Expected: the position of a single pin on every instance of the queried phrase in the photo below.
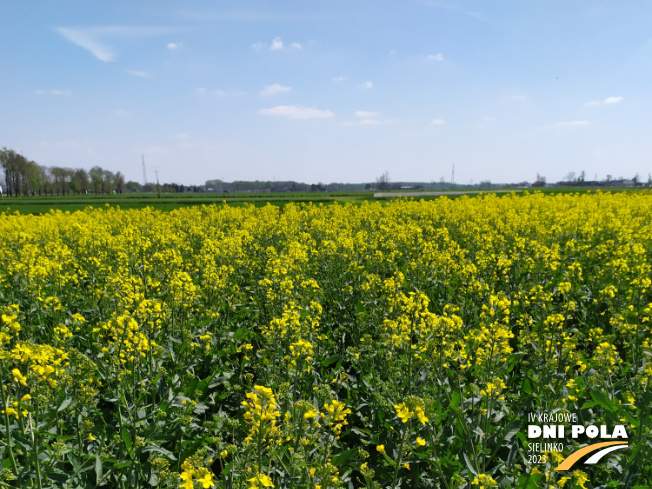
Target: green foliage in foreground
(396, 345)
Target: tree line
(26, 177)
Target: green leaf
(162, 451)
(64, 404)
(98, 469)
(469, 464)
(604, 401)
(342, 458)
(330, 360)
(127, 439)
(455, 400)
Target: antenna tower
(144, 172)
(453, 174)
(158, 187)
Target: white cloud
(435, 57)
(607, 101)
(121, 113)
(368, 84)
(174, 45)
(571, 124)
(277, 45)
(218, 93)
(366, 115)
(612, 100)
(274, 89)
(437, 122)
(297, 112)
(86, 40)
(338, 78)
(375, 122)
(53, 91)
(366, 118)
(141, 74)
(96, 40)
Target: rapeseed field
(315, 347)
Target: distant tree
(570, 177)
(33, 174)
(13, 165)
(132, 186)
(119, 180)
(59, 179)
(108, 181)
(609, 177)
(80, 178)
(382, 182)
(97, 177)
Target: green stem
(10, 442)
(400, 455)
(35, 445)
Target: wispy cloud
(98, 40)
(174, 45)
(338, 78)
(607, 101)
(53, 91)
(435, 57)
(274, 89)
(454, 8)
(276, 45)
(366, 118)
(297, 112)
(140, 74)
(613, 100)
(218, 92)
(368, 84)
(87, 147)
(250, 16)
(565, 124)
(366, 115)
(437, 122)
(87, 40)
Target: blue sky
(331, 91)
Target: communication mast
(158, 187)
(144, 172)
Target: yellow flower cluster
(337, 413)
(262, 413)
(191, 473)
(412, 408)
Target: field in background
(167, 202)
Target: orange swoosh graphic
(575, 456)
